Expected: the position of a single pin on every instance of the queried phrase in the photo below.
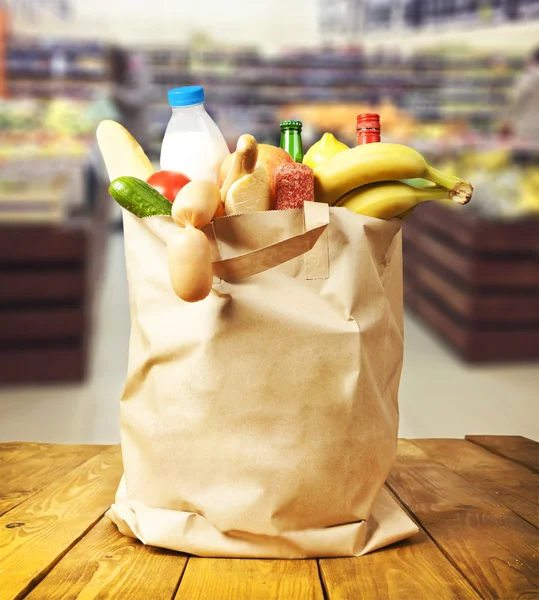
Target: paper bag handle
(262, 259)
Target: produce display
(365, 180)
(49, 129)
(506, 188)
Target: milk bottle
(193, 144)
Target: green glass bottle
(291, 139)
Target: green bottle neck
(291, 142)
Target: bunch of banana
(389, 199)
(345, 179)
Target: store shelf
(354, 19)
(43, 70)
(429, 87)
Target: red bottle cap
(368, 128)
(368, 121)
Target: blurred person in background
(131, 93)
(524, 108)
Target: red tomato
(168, 183)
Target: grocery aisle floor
(440, 397)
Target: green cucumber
(139, 197)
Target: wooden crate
(48, 278)
(475, 282)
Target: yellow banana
(370, 163)
(403, 216)
(388, 199)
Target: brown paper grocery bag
(262, 421)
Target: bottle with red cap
(368, 128)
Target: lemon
(326, 146)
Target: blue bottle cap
(186, 96)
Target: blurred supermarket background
(457, 79)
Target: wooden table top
(475, 502)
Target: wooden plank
(42, 244)
(441, 323)
(36, 466)
(108, 565)
(43, 364)
(411, 228)
(514, 447)
(439, 284)
(414, 569)
(480, 272)
(489, 544)
(37, 533)
(508, 238)
(410, 293)
(506, 309)
(411, 570)
(459, 226)
(43, 323)
(441, 255)
(409, 262)
(19, 451)
(511, 484)
(251, 579)
(482, 235)
(485, 307)
(15, 451)
(43, 285)
(478, 345)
